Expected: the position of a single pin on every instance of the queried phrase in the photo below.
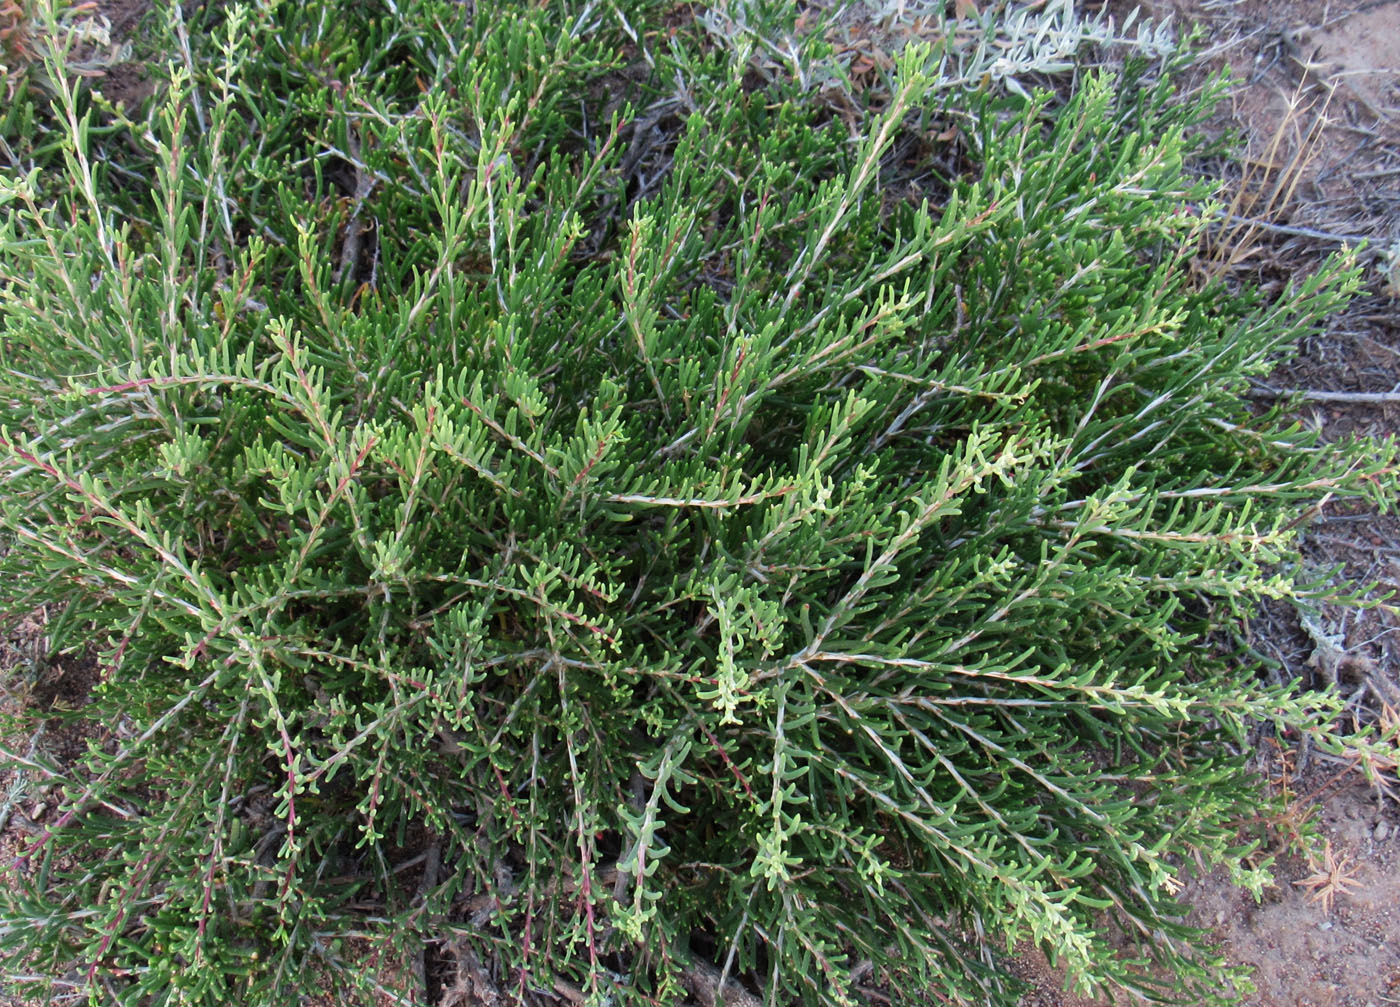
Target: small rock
(40, 810)
(1325, 925)
(1382, 831)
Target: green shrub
(707, 538)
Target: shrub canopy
(719, 533)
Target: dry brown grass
(1267, 187)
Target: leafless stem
(1297, 232)
(1312, 395)
(432, 858)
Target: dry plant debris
(1331, 876)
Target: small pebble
(1382, 830)
(40, 810)
(1325, 925)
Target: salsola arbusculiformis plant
(616, 542)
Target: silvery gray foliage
(1007, 44)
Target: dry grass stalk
(1267, 186)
